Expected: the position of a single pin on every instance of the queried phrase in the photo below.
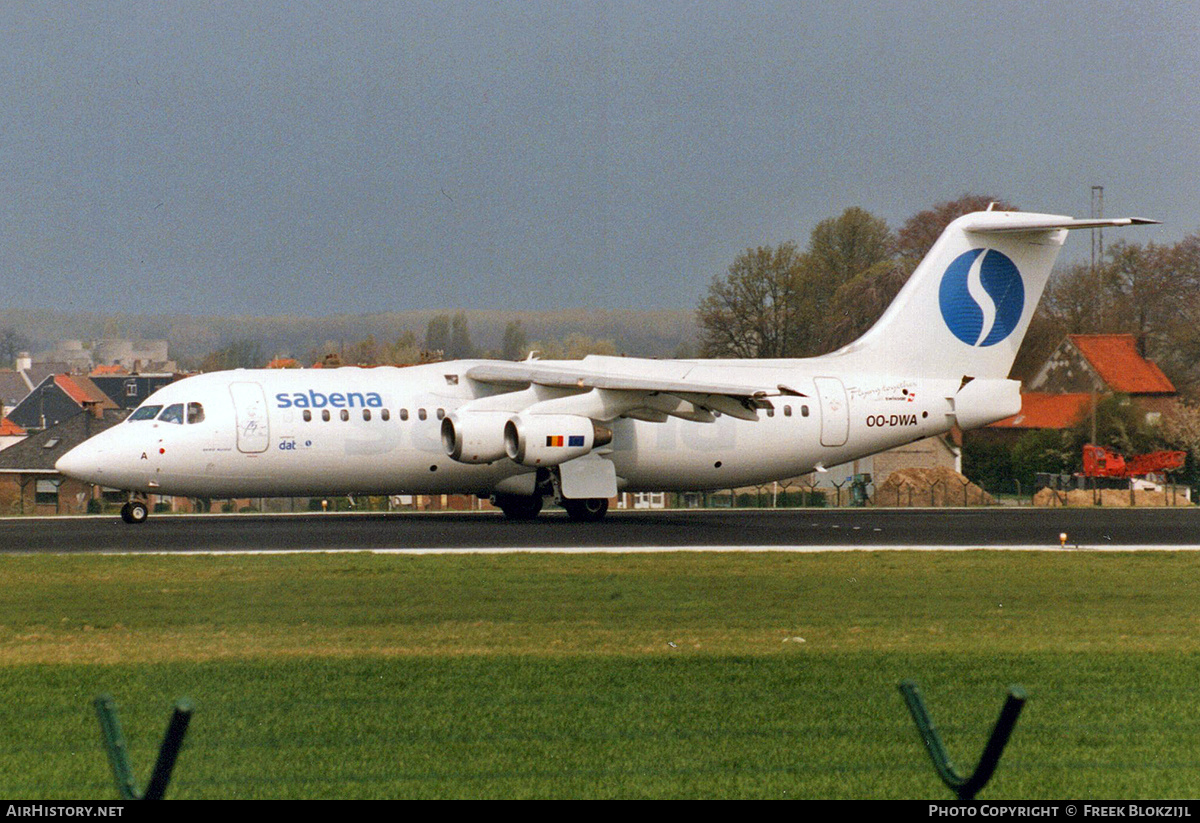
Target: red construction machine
(1099, 461)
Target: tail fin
(967, 306)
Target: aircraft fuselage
(378, 431)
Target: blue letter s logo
(981, 297)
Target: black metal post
(964, 787)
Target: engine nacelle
(550, 439)
(474, 437)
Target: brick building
(29, 483)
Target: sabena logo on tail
(981, 297)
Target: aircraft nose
(81, 462)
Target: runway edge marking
(641, 550)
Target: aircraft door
(250, 408)
(835, 411)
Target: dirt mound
(930, 487)
(1112, 498)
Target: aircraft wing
(642, 389)
(562, 376)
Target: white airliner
(580, 431)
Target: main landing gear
(518, 506)
(586, 511)
(528, 507)
(547, 484)
(135, 511)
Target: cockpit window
(195, 413)
(146, 413)
(172, 414)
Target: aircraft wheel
(519, 507)
(135, 511)
(586, 511)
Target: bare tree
(243, 353)
(11, 344)
(515, 344)
(857, 304)
(918, 234)
(844, 247)
(779, 302)
(365, 352)
(460, 339)
(754, 311)
(1181, 427)
(572, 347)
(405, 350)
(437, 333)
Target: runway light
(1062, 540)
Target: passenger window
(441, 413)
(804, 411)
(345, 415)
(787, 411)
(385, 414)
(325, 415)
(770, 412)
(404, 414)
(421, 414)
(195, 413)
(172, 414)
(366, 414)
(146, 413)
(307, 416)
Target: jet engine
(551, 439)
(474, 437)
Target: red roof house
(1081, 369)
(1100, 363)
(10, 433)
(83, 391)
(1040, 410)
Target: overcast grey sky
(317, 158)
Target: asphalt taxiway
(745, 529)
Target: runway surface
(800, 529)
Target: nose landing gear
(135, 511)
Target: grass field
(603, 675)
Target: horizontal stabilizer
(1023, 223)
